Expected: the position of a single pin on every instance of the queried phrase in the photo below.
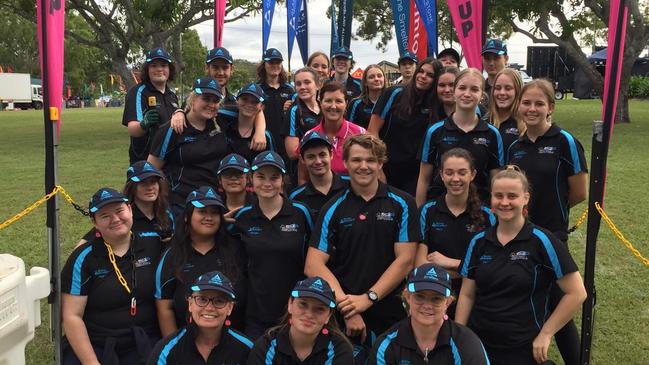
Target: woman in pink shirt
(334, 125)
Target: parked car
(526, 78)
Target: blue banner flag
(345, 22)
(302, 32)
(292, 12)
(400, 15)
(335, 40)
(268, 9)
(428, 12)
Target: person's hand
(258, 142)
(355, 326)
(438, 259)
(178, 121)
(287, 104)
(540, 347)
(354, 305)
(229, 216)
(151, 118)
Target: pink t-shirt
(347, 130)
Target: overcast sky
(243, 39)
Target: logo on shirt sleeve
(289, 227)
(520, 255)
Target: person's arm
(577, 188)
(423, 181)
(166, 316)
(178, 121)
(291, 144)
(156, 162)
(302, 174)
(574, 295)
(375, 126)
(258, 142)
(465, 302)
(316, 265)
(449, 264)
(421, 255)
(72, 309)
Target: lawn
(93, 153)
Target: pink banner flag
(219, 19)
(51, 53)
(614, 56)
(467, 18)
(417, 37)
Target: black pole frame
(600, 144)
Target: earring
(446, 317)
(97, 234)
(228, 323)
(325, 331)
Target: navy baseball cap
(407, 55)
(105, 196)
(254, 90)
(233, 161)
(272, 54)
(495, 46)
(214, 280)
(430, 277)
(205, 196)
(316, 288)
(158, 53)
(313, 137)
(141, 170)
(207, 85)
(449, 52)
(219, 52)
(343, 52)
(269, 158)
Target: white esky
(243, 39)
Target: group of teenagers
(333, 220)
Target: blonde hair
(470, 72)
(191, 98)
(512, 172)
(515, 76)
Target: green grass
(93, 153)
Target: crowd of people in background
(324, 219)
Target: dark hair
(473, 203)
(365, 91)
(413, 98)
(330, 87)
(223, 245)
(144, 72)
(161, 204)
(316, 54)
(261, 74)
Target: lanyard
(120, 277)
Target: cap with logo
(449, 52)
(207, 85)
(272, 54)
(313, 138)
(407, 55)
(343, 52)
(495, 46)
(105, 196)
(316, 288)
(430, 277)
(158, 53)
(214, 280)
(219, 53)
(254, 90)
(233, 161)
(205, 196)
(142, 170)
(268, 158)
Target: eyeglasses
(420, 299)
(217, 302)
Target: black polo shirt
(359, 112)
(353, 86)
(403, 136)
(179, 348)
(548, 163)
(298, 120)
(276, 349)
(191, 158)
(509, 132)
(88, 272)
(513, 283)
(456, 344)
(238, 144)
(168, 285)
(483, 142)
(313, 198)
(137, 103)
(141, 223)
(274, 109)
(276, 251)
(229, 100)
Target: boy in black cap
(427, 336)
(343, 61)
(315, 153)
(149, 103)
(407, 65)
(207, 338)
(494, 59)
(449, 58)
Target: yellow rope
(619, 234)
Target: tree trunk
(122, 69)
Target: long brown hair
(365, 91)
(412, 98)
(515, 76)
(473, 203)
(262, 75)
(161, 204)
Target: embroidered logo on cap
(269, 157)
(216, 279)
(212, 84)
(147, 167)
(233, 160)
(210, 194)
(431, 274)
(317, 285)
(106, 195)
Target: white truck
(18, 91)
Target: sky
(243, 39)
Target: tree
(558, 22)
(18, 45)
